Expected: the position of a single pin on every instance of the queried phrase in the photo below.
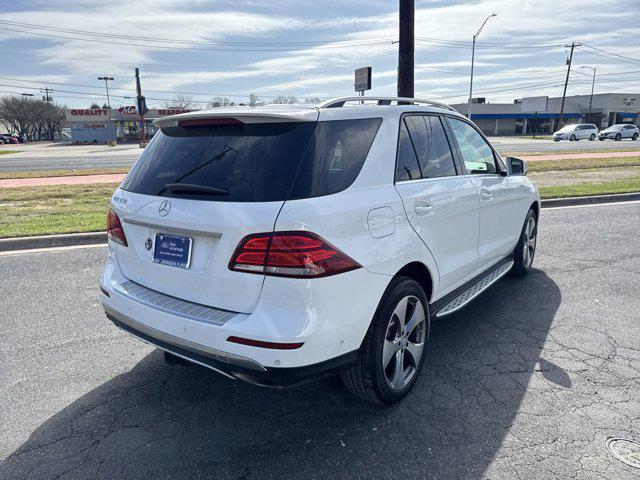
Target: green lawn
(28, 211)
(581, 163)
(46, 210)
(7, 152)
(627, 185)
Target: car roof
(341, 108)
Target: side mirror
(516, 166)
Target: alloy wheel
(529, 243)
(404, 342)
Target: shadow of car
(186, 421)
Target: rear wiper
(191, 189)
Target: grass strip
(627, 185)
(26, 211)
(581, 163)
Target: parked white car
(279, 245)
(618, 132)
(576, 132)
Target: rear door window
(431, 146)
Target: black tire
(635, 137)
(522, 266)
(592, 137)
(601, 139)
(366, 377)
(618, 137)
(573, 138)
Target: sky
(231, 48)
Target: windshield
(615, 127)
(253, 162)
(567, 128)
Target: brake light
(208, 122)
(114, 228)
(294, 254)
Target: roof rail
(339, 102)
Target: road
(57, 157)
(526, 382)
(530, 145)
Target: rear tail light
(114, 228)
(290, 254)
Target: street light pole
(106, 85)
(593, 84)
(473, 55)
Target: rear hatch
(202, 184)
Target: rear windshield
(254, 162)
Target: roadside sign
(142, 105)
(534, 104)
(362, 79)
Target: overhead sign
(363, 79)
(125, 113)
(534, 104)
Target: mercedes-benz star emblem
(148, 243)
(164, 208)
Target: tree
(286, 100)
(220, 102)
(37, 118)
(314, 100)
(94, 106)
(181, 102)
(254, 99)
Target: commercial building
(540, 115)
(100, 125)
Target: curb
(72, 239)
(48, 241)
(592, 200)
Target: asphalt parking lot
(526, 382)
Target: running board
(474, 290)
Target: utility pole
(47, 99)
(593, 84)
(143, 137)
(406, 49)
(566, 81)
(473, 56)
(106, 85)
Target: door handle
(422, 207)
(486, 194)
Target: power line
(173, 47)
(182, 41)
(629, 59)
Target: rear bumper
(328, 316)
(230, 365)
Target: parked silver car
(620, 131)
(576, 132)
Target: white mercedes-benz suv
(282, 244)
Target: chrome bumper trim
(173, 305)
(151, 333)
